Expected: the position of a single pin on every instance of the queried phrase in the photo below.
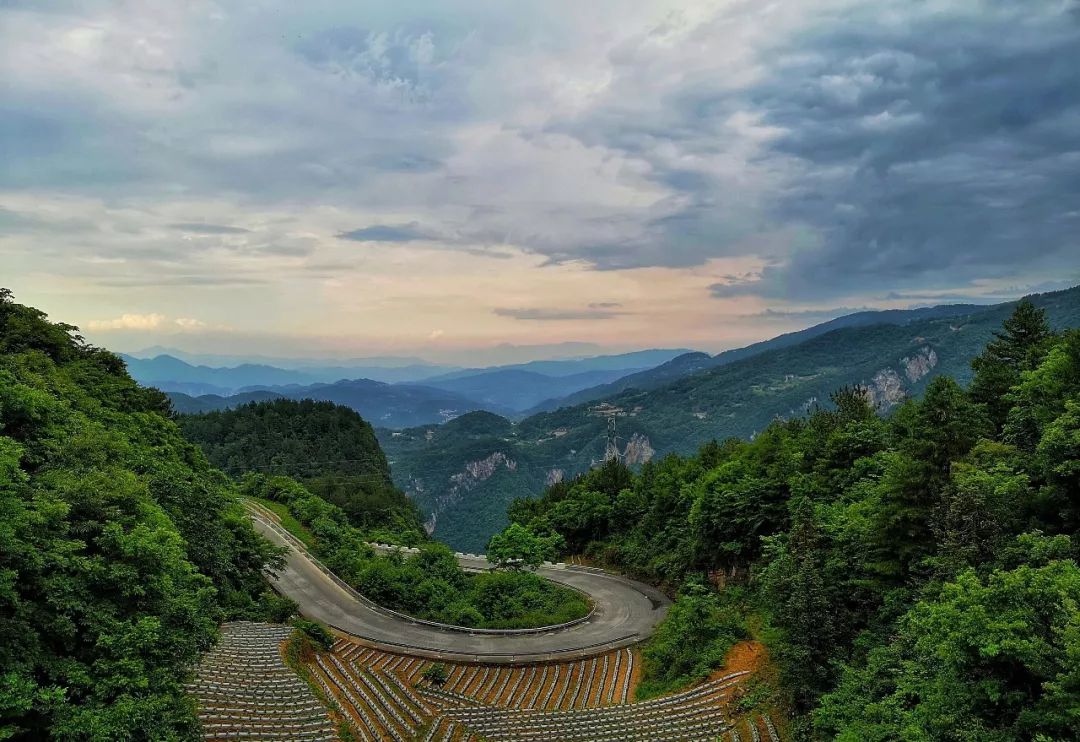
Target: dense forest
(327, 447)
(121, 549)
(914, 576)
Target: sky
(466, 177)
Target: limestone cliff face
(638, 450)
(888, 386)
(471, 474)
(920, 364)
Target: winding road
(625, 612)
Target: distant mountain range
(169, 373)
(522, 386)
(464, 473)
(390, 405)
(390, 400)
(640, 359)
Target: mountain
(171, 374)
(186, 404)
(636, 360)
(461, 480)
(286, 362)
(463, 474)
(518, 390)
(329, 448)
(163, 371)
(693, 362)
(388, 405)
(511, 390)
(519, 387)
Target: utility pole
(611, 450)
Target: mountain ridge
(465, 482)
(694, 362)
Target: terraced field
(581, 701)
(245, 691)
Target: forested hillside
(691, 363)
(463, 474)
(464, 480)
(328, 447)
(914, 576)
(121, 549)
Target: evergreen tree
(1017, 347)
(795, 584)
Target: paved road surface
(625, 612)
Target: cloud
(410, 232)
(736, 284)
(806, 314)
(188, 323)
(928, 153)
(553, 315)
(852, 147)
(197, 228)
(149, 322)
(128, 322)
(178, 280)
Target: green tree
(328, 447)
(518, 547)
(436, 674)
(1015, 348)
(121, 549)
(943, 427)
(696, 635)
(986, 659)
(795, 583)
(1058, 457)
(1041, 395)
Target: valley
(464, 474)
(725, 587)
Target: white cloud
(128, 322)
(188, 323)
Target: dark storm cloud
(932, 152)
(908, 146)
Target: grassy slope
(288, 521)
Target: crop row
(386, 698)
(245, 691)
(601, 680)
